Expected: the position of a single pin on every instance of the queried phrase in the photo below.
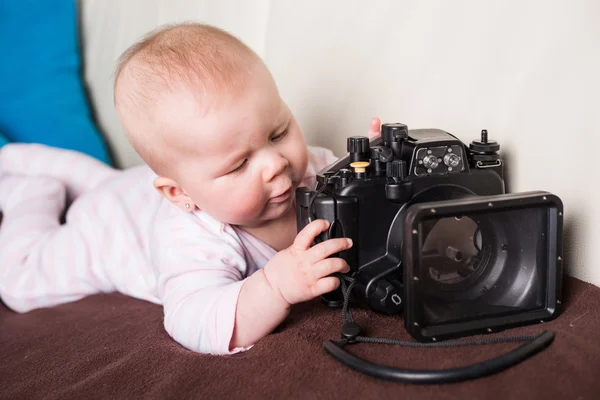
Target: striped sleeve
(200, 268)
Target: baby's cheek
(243, 203)
(301, 162)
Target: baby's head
(202, 110)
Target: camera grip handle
(342, 214)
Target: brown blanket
(112, 346)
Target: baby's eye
(280, 136)
(240, 168)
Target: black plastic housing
(409, 171)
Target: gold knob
(359, 166)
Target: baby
(207, 228)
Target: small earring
(187, 205)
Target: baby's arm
(200, 270)
(209, 306)
(260, 310)
(296, 274)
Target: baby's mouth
(282, 197)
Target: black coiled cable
(336, 349)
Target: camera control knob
(360, 169)
(452, 160)
(393, 132)
(430, 161)
(359, 166)
(386, 298)
(396, 169)
(358, 147)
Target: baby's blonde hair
(187, 55)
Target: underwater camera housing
(435, 235)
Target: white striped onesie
(121, 235)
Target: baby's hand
(300, 272)
(375, 128)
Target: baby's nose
(274, 166)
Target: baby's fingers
(330, 266)
(327, 248)
(307, 235)
(326, 285)
(375, 128)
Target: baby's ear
(174, 193)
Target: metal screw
(433, 210)
(434, 339)
(429, 171)
(545, 198)
(429, 152)
(449, 168)
(484, 136)
(558, 302)
(489, 329)
(415, 278)
(559, 258)
(490, 205)
(415, 323)
(560, 214)
(415, 231)
(449, 150)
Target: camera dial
(358, 147)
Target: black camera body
(436, 236)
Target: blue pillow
(42, 98)
(3, 140)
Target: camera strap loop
(351, 335)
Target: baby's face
(242, 161)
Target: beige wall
(525, 70)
